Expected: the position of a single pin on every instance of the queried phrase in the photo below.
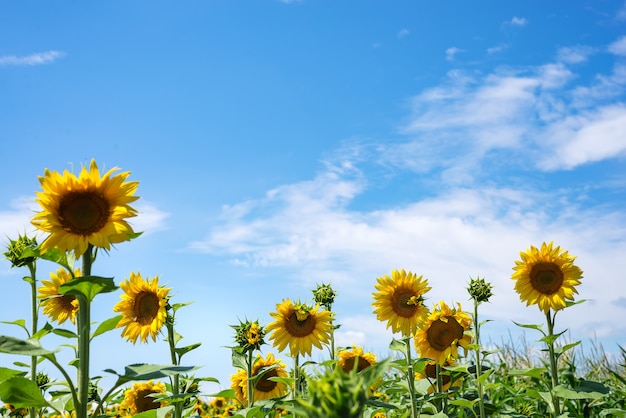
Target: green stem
(34, 325)
(410, 377)
(444, 398)
(84, 323)
(553, 363)
(296, 376)
(479, 366)
(178, 407)
(249, 381)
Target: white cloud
(574, 54)
(618, 47)
(497, 49)
(518, 21)
(452, 52)
(39, 58)
(403, 33)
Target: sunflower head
(249, 335)
(140, 398)
(399, 300)
(300, 326)
(355, 359)
(86, 209)
(143, 306)
(479, 290)
(546, 277)
(428, 370)
(58, 307)
(443, 332)
(21, 251)
(324, 295)
(264, 369)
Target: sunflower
(546, 277)
(442, 333)
(143, 308)
(58, 307)
(399, 300)
(264, 388)
(83, 210)
(138, 398)
(428, 371)
(299, 326)
(348, 358)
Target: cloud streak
(39, 58)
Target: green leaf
(11, 345)
(107, 325)
(239, 360)
(226, 393)
(561, 350)
(148, 372)
(177, 306)
(22, 393)
(550, 339)
(585, 390)
(531, 372)
(184, 350)
(397, 345)
(6, 373)
(155, 413)
(463, 402)
(530, 326)
(88, 286)
(613, 412)
(19, 322)
(43, 331)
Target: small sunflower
(58, 307)
(399, 300)
(429, 371)
(348, 358)
(546, 277)
(143, 308)
(443, 332)
(83, 210)
(300, 326)
(264, 388)
(138, 398)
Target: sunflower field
(437, 365)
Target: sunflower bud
(302, 311)
(479, 290)
(21, 252)
(249, 335)
(324, 295)
(42, 380)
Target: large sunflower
(264, 388)
(138, 398)
(143, 308)
(399, 300)
(443, 332)
(348, 358)
(83, 210)
(58, 307)
(546, 277)
(299, 326)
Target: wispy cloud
(402, 33)
(39, 58)
(452, 52)
(497, 49)
(618, 47)
(574, 54)
(518, 21)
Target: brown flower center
(143, 402)
(146, 307)
(67, 303)
(84, 213)
(298, 328)
(430, 370)
(546, 278)
(362, 364)
(404, 302)
(266, 385)
(441, 335)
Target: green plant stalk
(84, 323)
(444, 399)
(249, 381)
(178, 407)
(553, 363)
(296, 376)
(410, 376)
(34, 319)
(479, 366)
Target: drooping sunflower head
(140, 397)
(143, 306)
(428, 370)
(443, 332)
(300, 326)
(264, 388)
(546, 277)
(399, 300)
(83, 210)
(56, 306)
(355, 359)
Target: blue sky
(281, 144)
